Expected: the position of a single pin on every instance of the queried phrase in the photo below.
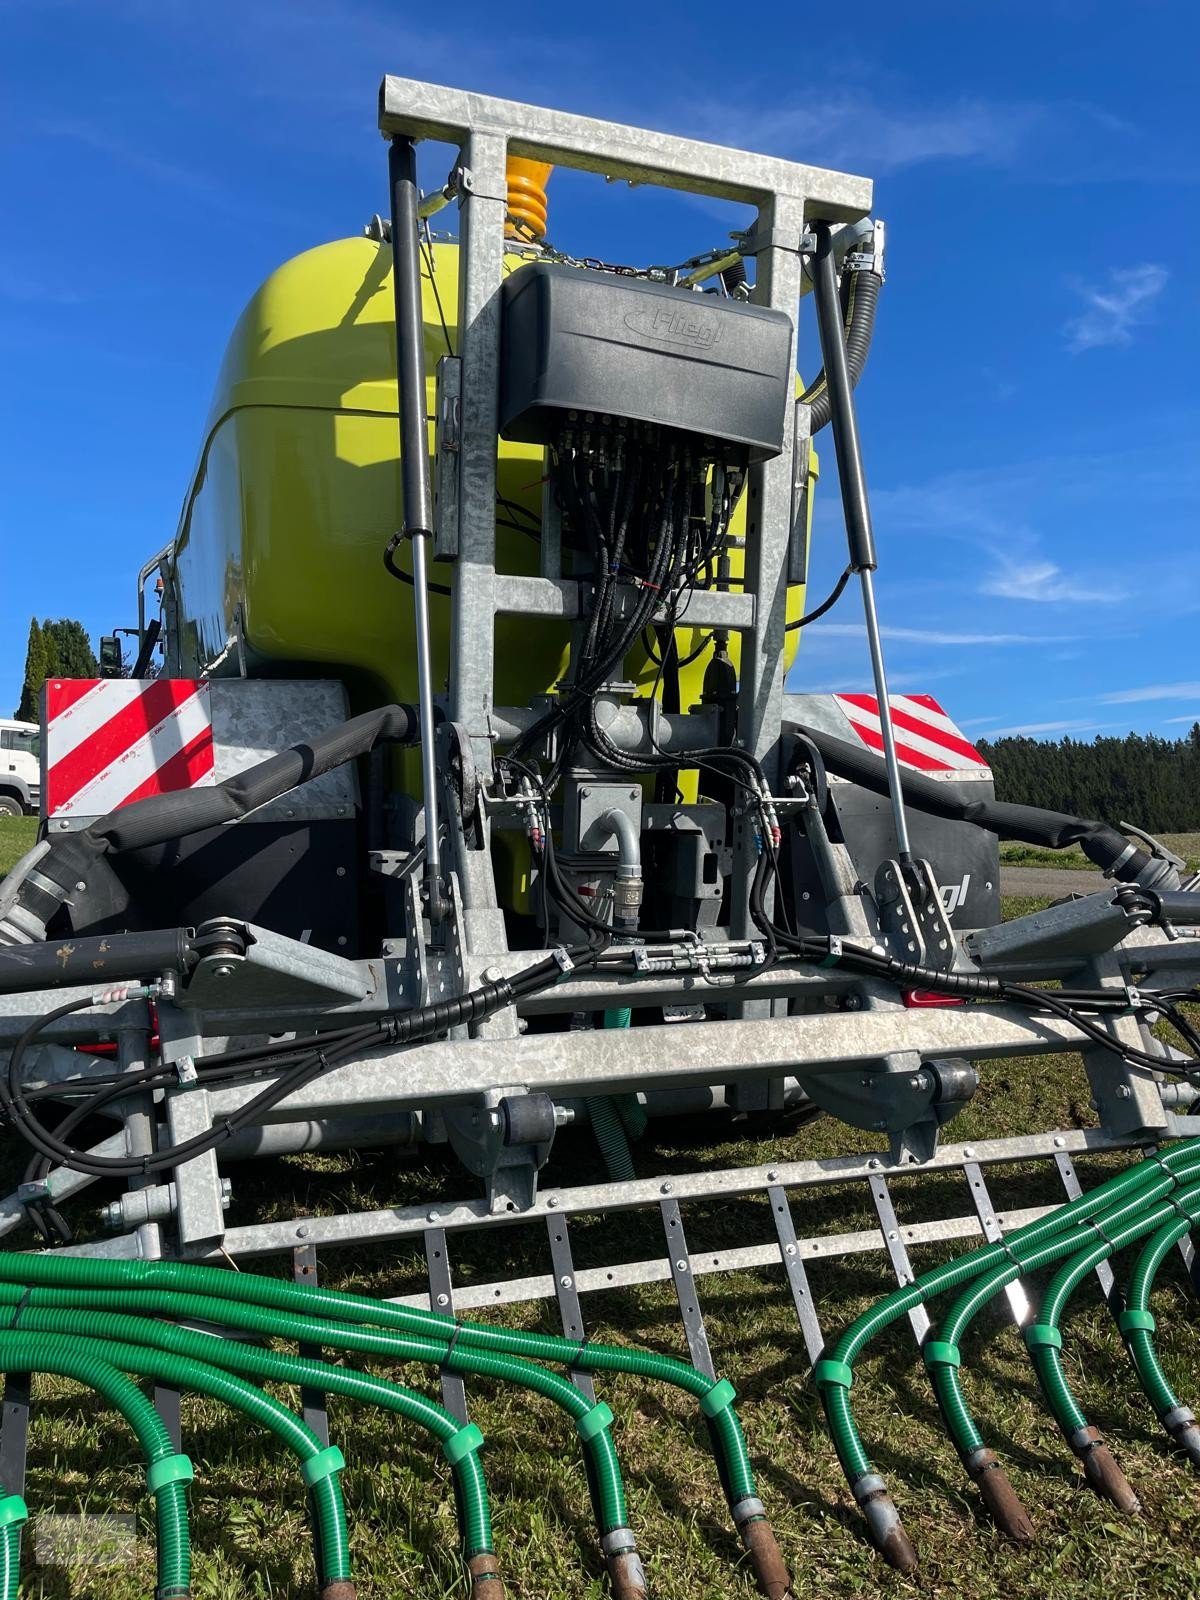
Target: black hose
(1100, 842)
(861, 303)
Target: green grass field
(16, 836)
(1185, 845)
(248, 1508)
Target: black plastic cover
(579, 340)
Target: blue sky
(1029, 412)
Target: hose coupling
(1180, 1423)
(626, 1576)
(486, 1582)
(1101, 1470)
(771, 1572)
(883, 1522)
(998, 1494)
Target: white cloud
(1153, 691)
(854, 630)
(1037, 729)
(1043, 581)
(1112, 312)
(1195, 717)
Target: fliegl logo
(676, 323)
(953, 894)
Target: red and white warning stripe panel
(110, 741)
(926, 738)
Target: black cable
(827, 604)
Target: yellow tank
(297, 491)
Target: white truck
(20, 768)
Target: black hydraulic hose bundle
(860, 300)
(161, 819)
(1100, 842)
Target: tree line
(1141, 778)
(59, 649)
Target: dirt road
(1052, 881)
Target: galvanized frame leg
(789, 1250)
(894, 1244)
(441, 1298)
(1018, 1300)
(683, 1278)
(14, 1432)
(1104, 1272)
(567, 1294)
(312, 1401)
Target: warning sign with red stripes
(109, 741)
(926, 738)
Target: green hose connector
(83, 1362)
(120, 1341)
(14, 1514)
(1137, 1325)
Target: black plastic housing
(585, 341)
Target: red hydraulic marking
(920, 999)
(180, 771)
(114, 737)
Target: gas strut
(414, 466)
(860, 536)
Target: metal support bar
(14, 1431)
(793, 1265)
(685, 1289)
(566, 1292)
(1104, 1272)
(441, 1298)
(312, 1401)
(1018, 1300)
(890, 1227)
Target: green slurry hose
(1044, 1339)
(616, 1118)
(119, 1340)
(13, 1517)
(1146, 1181)
(1137, 1325)
(942, 1357)
(715, 1397)
(167, 1473)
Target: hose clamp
(564, 961)
(1042, 1335)
(833, 1374)
(941, 1353)
(13, 1511)
(1134, 1320)
(594, 1421)
(618, 1542)
(323, 1465)
(748, 1510)
(719, 1398)
(171, 1469)
(465, 1442)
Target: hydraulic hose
(1147, 1179)
(861, 303)
(243, 1288)
(121, 1341)
(167, 1473)
(1137, 1325)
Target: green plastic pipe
(1145, 1180)
(1137, 1325)
(166, 1472)
(99, 1304)
(119, 1341)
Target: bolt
(633, 794)
(874, 1162)
(585, 794)
(81, 886)
(666, 1188)
(564, 1282)
(1124, 1092)
(1060, 1144)
(681, 1265)
(772, 1175)
(431, 1216)
(916, 1083)
(892, 1234)
(342, 939)
(443, 1299)
(341, 872)
(552, 1202)
(492, 974)
(968, 1150)
(302, 1231)
(223, 969)
(790, 1250)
